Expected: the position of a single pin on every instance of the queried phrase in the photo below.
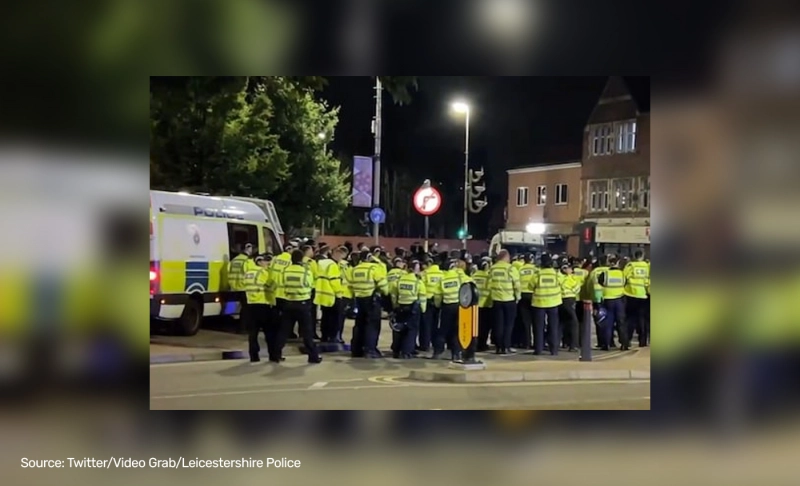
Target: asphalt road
(343, 384)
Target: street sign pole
(427, 201)
(427, 227)
(586, 335)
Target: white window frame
(626, 137)
(644, 193)
(522, 201)
(619, 193)
(541, 195)
(601, 196)
(562, 194)
(603, 139)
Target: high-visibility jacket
(298, 282)
(431, 276)
(255, 283)
(408, 289)
(463, 275)
(270, 285)
(481, 279)
(614, 287)
(636, 275)
(593, 283)
(236, 272)
(380, 268)
(504, 283)
(447, 291)
(367, 279)
(546, 288)
(328, 284)
(580, 274)
(279, 264)
(347, 276)
(526, 272)
(570, 286)
(517, 264)
(393, 276)
(312, 265)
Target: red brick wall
(474, 246)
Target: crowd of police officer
(527, 302)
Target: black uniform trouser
(330, 321)
(256, 322)
(525, 320)
(299, 311)
(448, 330)
(345, 305)
(429, 323)
(615, 315)
(571, 325)
(553, 333)
(504, 314)
(484, 327)
(403, 341)
(367, 328)
(637, 319)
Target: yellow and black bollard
(468, 327)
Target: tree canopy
(260, 136)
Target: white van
(192, 239)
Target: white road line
(283, 390)
(319, 384)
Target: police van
(192, 239)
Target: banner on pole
(362, 182)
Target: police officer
(505, 293)
(570, 287)
(613, 282)
(397, 271)
(637, 275)
(328, 293)
(524, 320)
(236, 268)
(347, 291)
(311, 263)
(430, 319)
(369, 284)
(255, 283)
(446, 298)
(408, 302)
(278, 266)
(298, 283)
(546, 299)
(481, 279)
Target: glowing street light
(462, 107)
(535, 228)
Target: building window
(603, 140)
(598, 196)
(623, 195)
(626, 138)
(541, 195)
(561, 194)
(522, 196)
(644, 192)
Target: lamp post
(462, 107)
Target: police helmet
(397, 260)
(450, 264)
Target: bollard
(468, 328)
(586, 335)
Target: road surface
(345, 384)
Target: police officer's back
(505, 293)
(298, 283)
(408, 301)
(446, 298)
(368, 284)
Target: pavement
(618, 381)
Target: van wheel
(191, 318)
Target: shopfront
(623, 240)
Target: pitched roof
(615, 103)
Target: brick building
(550, 196)
(615, 174)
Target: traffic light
(461, 233)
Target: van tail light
(153, 278)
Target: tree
(254, 136)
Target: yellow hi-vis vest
(432, 275)
(504, 283)
(409, 289)
(546, 288)
(297, 283)
(367, 279)
(570, 286)
(328, 284)
(447, 292)
(255, 283)
(637, 275)
(347, 276)
(580, 274)
(279, 264)
(236, 272)
(615, 284)
(481, 279)
(393, 276)
(526, 272)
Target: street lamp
(463, 107)
(322, 136)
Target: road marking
(319, 384)
(393, 380)
(284, 390)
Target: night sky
(515, 121)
